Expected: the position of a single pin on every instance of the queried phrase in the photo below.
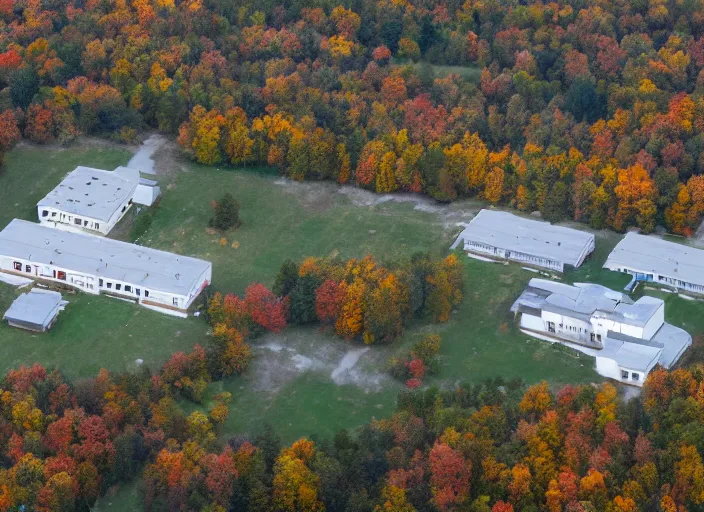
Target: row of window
(634, 376)
(58, 274)
(118, 287)
(76, 220)
(572, 328)
(108, 285)
(664, 279)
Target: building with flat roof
(36, 310)
(155, 279)
(502, 235)
(658, 261)
(94, 200)
(626, 338)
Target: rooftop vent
(94, 178)
(88, 183)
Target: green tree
(227, 213)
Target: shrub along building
(155, 279)
(658, 261)
(94, 200)
(627, 338)
(501, 235)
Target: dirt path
(319, 196)
(347, 363)
(143, 158)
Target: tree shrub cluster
(421, 360)
(360, 298)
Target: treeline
(585, 110)
(356, 299)
(493, 447)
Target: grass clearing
(290, 385)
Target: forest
(585, 110)
(491, 447)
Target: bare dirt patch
(282, 357)
(320, 196)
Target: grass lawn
(291, 384)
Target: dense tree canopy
(491, 447)
(586, 109)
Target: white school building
(501, 235)
(626, 338)
(658, 261)
(92, 200)
(155, 279)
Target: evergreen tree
(227, 213)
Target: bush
(227, 213)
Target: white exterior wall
(146, 195)
(664, 280)
(603, 325)
(587, 251)
(568, 327)
(65, 221)
(497, 252)
(96, 285)
(654, 323)
(534, 323)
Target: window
(97, 226)
(61, 275)
(636, 376)
(45, 213)
(17, 266)
(118, 286)
(551, 326)
(100, 282)
(624, 374)
(109, 285)
(77, 221)
(128, 289)
(592, 337)
(137, 291)
(28, 268)
(146, 293)
(85, 223)
(53, 214)
(175, 301)
(598, 337)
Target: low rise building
(657, 261)
(36, 310)
(626, 338)
(502, 235)
(155, 279)
(93, 200)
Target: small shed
(147, 192)
(36, 310)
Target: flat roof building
(654, 260)
(626, 338)
(503, 235)
(36, 310)
(94, 200)
(156, 279)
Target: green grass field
(291, 388)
